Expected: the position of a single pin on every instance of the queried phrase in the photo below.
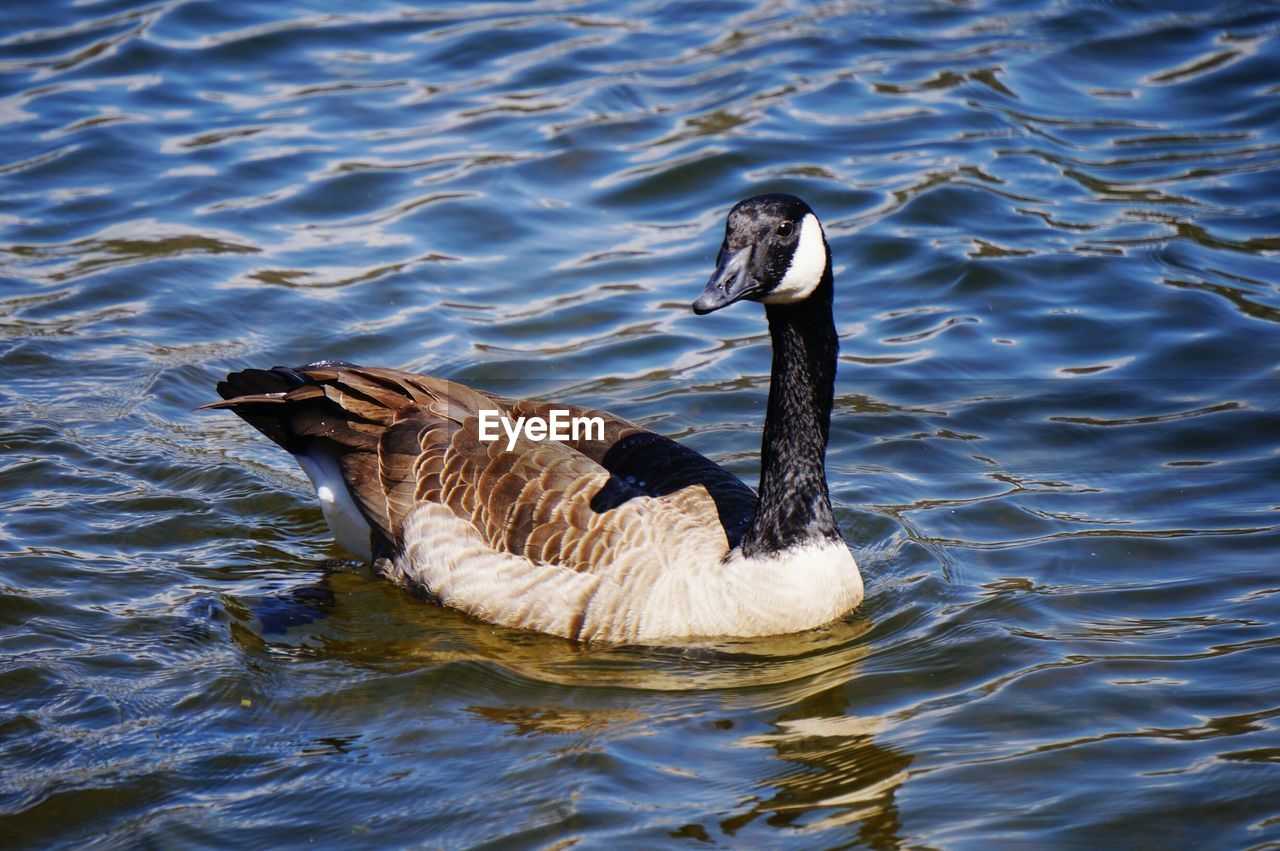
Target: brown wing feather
(402, 439)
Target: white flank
(347, 524)
(664, 587)
(807, 265)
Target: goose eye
(785, 229)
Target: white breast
(795, 590)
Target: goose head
(774, 252)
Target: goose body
(620, 535)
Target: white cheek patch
(807, 265)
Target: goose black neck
(795, 507)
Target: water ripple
(1055, 229)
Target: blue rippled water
(1054, 451)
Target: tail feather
(333, 416)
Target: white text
(558, 426)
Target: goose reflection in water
(783, 713)
(830, 772)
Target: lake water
(1056, 228)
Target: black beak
(730, 282)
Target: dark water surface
(1056, 228)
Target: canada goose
(622, 536)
